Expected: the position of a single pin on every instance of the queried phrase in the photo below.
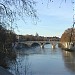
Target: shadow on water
(69, 60)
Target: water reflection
(21, 66)
(69, 60)
(47, 61)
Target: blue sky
(53, 21)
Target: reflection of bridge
(41, 43)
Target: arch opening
(25, 46)
(47, 45)
(21, 45)
(35, 45)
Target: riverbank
(67, 49)
(4, 71)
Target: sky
(54, 18)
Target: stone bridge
(40, 43)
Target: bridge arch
(53, 44)
(46, 43)
(35, 44)
(25, 45)
(22, 45)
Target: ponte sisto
(40, 43)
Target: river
(47, 61)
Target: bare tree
(10, 10)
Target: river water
(47, 61)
